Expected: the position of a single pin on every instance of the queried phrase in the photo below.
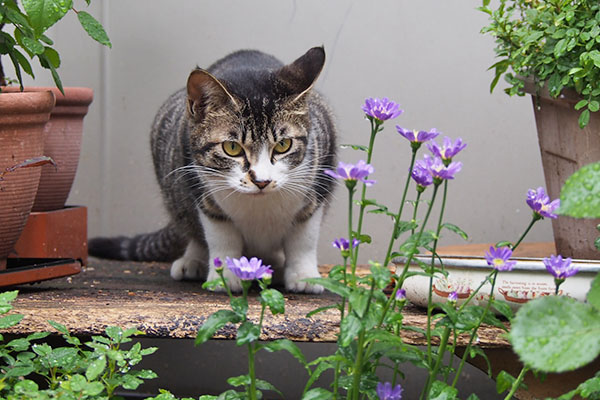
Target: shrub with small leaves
(555, 42)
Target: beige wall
(427, 55)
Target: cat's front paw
(186, 268)
(233, 282)
(294, 280)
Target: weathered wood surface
(143, 295)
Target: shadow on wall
(186, 370)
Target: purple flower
(381, 109)
(417, 136)
(498, 258)
(453, 296)
(540, 203)
(559, 267)
(248, 270)
(386, 392)
(421, 174)
(448, 149)
(438, 170)
(353, 172)
(218, 263)
(401, 295)
(344, 245)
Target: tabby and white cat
(239, 155)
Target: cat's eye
(232, 149)
(282, 146)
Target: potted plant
(551, 50)
(22, 38)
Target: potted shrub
(551, 50)
(22, 38)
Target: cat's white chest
(262, 220)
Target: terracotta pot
(22, 120)
(62, 142)
(565, 148)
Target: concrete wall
(427, 55)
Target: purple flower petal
(381, 109)
(499, 258)
(249, 269)
(448, 149)
(560, 268)
(540, 203)
(385, 391)
(353, 172)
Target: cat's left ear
(300, 76)
(205, 93)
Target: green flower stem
(517, 383)
(358, 366)
(536, 218)
(400, 280)
(397, 217)
(438, 362)
(433, 255)
(416, 208)
(252, 388)
(342, 313)
(224, 281)
(350, 208)
(494, 275)
(376, 126)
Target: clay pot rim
(74, 95)
(28, 102)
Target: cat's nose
(260, 183)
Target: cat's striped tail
(163, 245)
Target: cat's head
(251, 131)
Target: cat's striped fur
(262, 202)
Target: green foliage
(580, 195)
(90, 370)
(556, 334)
(553, 42)
(30, 25)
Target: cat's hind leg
(192, 264)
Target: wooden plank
(142, 295)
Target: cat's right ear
(205, 93)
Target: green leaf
(10, 320)
(239, 305)
(247, 333)
(456, 229)
(8, 297)
(45, 13)
(354, 147)
(580, 104)
(560, 48)
(593, 296)
(504, 381)
(264, 385)
(32, 45)
(321, 309)
(580, 195)
(317, 394)
(584, 118)
(274, 300)
(93, 28)
(213, 323)
(286, 345)
(237, 381)
(556, 334)
(349, 329)
(331, 285)
(59, 327)
(52, 57)
(441, 391)
(358, 300)
(381, 275)
(131, 382)
(594, 106)
(95, 368)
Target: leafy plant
(88, 370)
(555, 42)
(29, 35)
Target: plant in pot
(23, 38)
(551, 50)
